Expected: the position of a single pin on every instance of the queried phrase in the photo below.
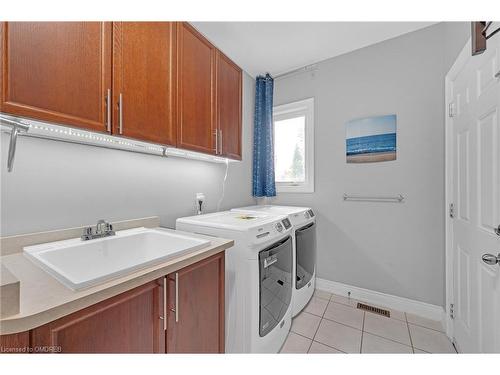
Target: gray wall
(58, 185)
(391, 248)
(456, 34)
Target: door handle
(269, 261)
(491, 259)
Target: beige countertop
(44, 299)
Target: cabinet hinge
(452, 311)
(452, 210)
(450, 110)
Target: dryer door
(305, 245)
(275, 289)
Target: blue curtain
(263, 139)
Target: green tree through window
(297, 168)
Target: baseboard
(423, 309)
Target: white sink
(81, 264)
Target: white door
(475, 190)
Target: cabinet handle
(108, 111)
(176, 308)
(164, 317)
(216, 142)
(176, 297)
(120, 111)
(220, 132)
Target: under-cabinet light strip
(44, 130)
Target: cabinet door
(195, 303)
(228, 107)
(56, 71)
(15, 343)
(196, 85)
(127, 323)
(143, 75)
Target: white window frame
(295, 109)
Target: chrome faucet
(102, 229)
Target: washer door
(275, 287)
(305, 241)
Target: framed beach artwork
(371, 139)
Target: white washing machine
(258, 281)
(303, 222)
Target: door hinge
(452, 311)
(450, 109)
(452, 210)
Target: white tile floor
(332, 324)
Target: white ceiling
(279, 47)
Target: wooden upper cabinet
(229, 107)
(56, 71)
(166, 83)
(144, 76)
(127, 323)
(196, 90)
(195, 306)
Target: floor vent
(374, 310)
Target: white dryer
(303, 222)
(258, 281)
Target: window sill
(303, 188)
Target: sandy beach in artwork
(371, 157)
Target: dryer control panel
(303, 217)
(309, 214)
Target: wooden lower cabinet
(127, 323)
(195, 305)
(133, 322)
(15, 343)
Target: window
(294, 146)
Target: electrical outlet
(200, 198)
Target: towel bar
(361, 198)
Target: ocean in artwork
(371, 139)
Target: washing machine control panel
(267, 232)
(286, 223)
